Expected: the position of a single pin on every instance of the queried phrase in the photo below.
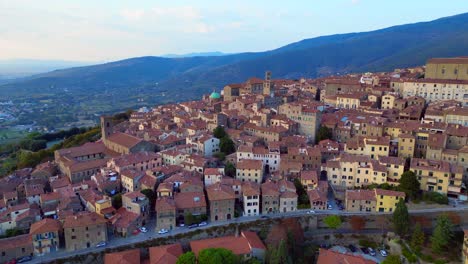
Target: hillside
(149, 80)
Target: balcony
(431, 180)
(454, 189)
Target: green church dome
(215, 95)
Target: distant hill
(17, 68)
(195, 54)
(126, 83)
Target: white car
(329, 207)
(143, 229)
(311, 212)
(383, 252)
(101, 244)
(163, 231)
(202, 224)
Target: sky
(107, 30)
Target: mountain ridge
(151, 79)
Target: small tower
(107, 127)
(267, 83)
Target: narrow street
(115, 242)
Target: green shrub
(366, 243)
(427, 258)
(339, 235)
(435, 197)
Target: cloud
(355, 2)
(132, 14)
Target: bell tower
(107, 127)
(267, 83)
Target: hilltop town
(255, 150)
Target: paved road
(151, 234)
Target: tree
(251, 261)
(187, 258)
(219, 132)
(357, 222)
(217, 255)
(12, 232)
(189, 219)
(230, 169)
(401, 220)
(303, 198)
(150, 195)
(409, 184)
(117, 201)
(392, 259)
(324, 133)
(277, 254)
(442, 234)
(417, 239)
(226, 145)
(333, 221)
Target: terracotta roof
(123, 218)
(365, 195)
(165, 204)
(131, 256)
(53, 196)
(212, 171)
(249, 164)
(12, 243)
(317, 195)
(135, 158)
(45, 225)
(220, 191)
(250, 188)
(327, 256)
(60, 182)
(455, 60)
(83, 219)
(270, 188)
(238, 245)
(86, 149)
(310, 176)
(132, 174)
(389, 193)
(167, 254)
(190, 200)
(125, 140)
(253, 239)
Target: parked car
(202, 224)
(163, 231)
(352, 248)
(311, 212)
(143, 229)
(101, 244)
(371, 251)
(326, 246)
(265, 217)
(24, 259)
(181, 225)
(365, 250)
(136, 232)
(192, 226)
(329, 207)
(383, 252)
